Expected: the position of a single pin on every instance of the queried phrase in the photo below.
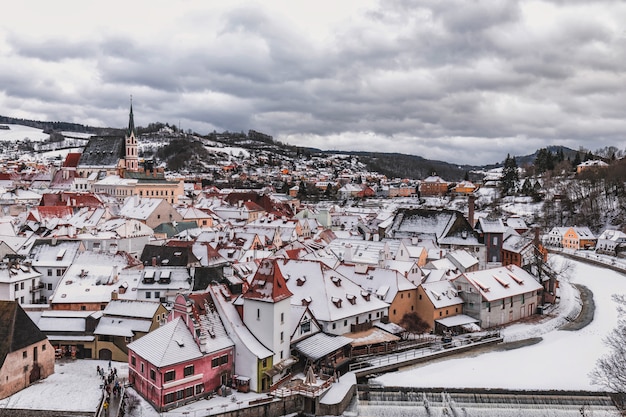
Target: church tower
(132, 159)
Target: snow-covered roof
(462, 258)
(132, 308)
(167, 345)
(332, 296)
(457, 320)
(491, 225)
(139, 208)
(371, 336)
(441, 293)
(234, 325)
(613, 235)
(115, 326)
(516, 243)
(373, 279)
(320, 345)
(502, 282)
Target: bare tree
(610, 370)
(413, 324)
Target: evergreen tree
(577, 160)
(510, 176)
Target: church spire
(131, 120)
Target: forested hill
(395, 165)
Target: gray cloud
(444, 80)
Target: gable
(17, 330)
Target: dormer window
(300, 281)
(336, 301)
(306, 301)
(351, 298)
(365, 295)
(336, 281)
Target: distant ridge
(393, 165)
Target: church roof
(103, 151)
(131, 122)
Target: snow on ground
(74, 387)
(230, 150)
(19, 132)
(562, 360)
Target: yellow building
(437, 300)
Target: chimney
(470, 210)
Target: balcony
(37, 288)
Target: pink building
(184, 359)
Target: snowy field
(561, 361)
(19, 132)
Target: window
(169, 398)
(17, 287)
(59, 272)
(148, 294)
(199, 389)
(141, 366)
(169, 376)
(420, 296)
(49, 287)
(133, 361)
(264, 363)
(305, 327)
(282, 337)
(489, 307)
(188, 392)
(258, 314)
(180, 394)
(440, 314)
(334, 326)
(43, 347)
(152, 375)
(49, 272)
(157, 294)
(282, 317)
(188, 370)
(24, 354)
(345, 323)
(21, 285)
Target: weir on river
(404, 402)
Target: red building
(184, 359)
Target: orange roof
(268, 283)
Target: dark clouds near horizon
(463, 81)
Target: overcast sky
(466, 81)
